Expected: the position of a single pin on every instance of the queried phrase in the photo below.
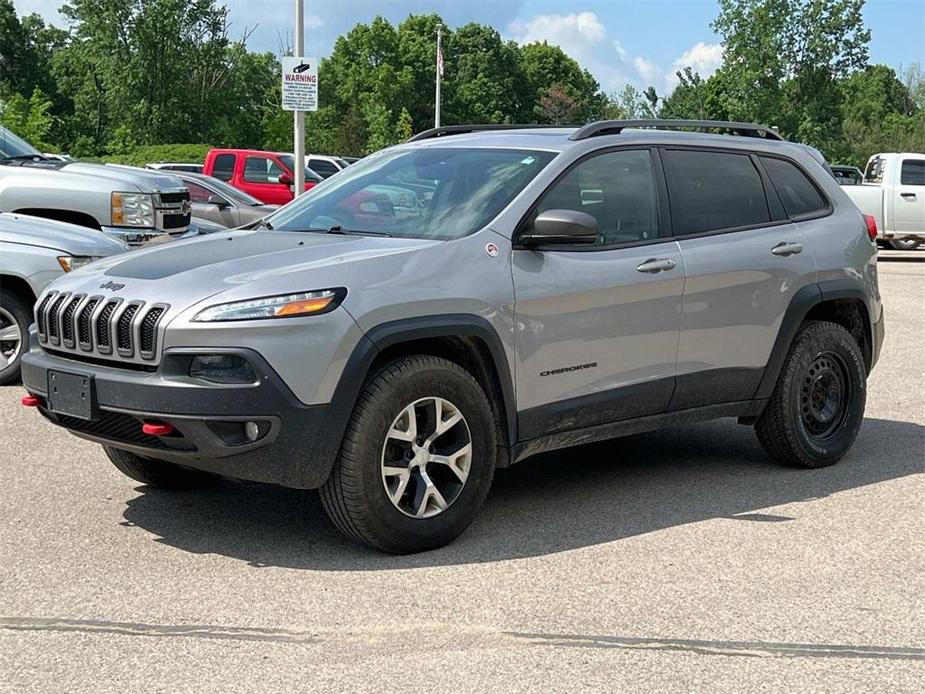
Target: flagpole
(298, 130)
(439, 71)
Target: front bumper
(209, 419)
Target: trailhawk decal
(568, 369)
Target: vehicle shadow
(551, 503)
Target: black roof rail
(615, 127)
(464, 129)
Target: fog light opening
(222, 368)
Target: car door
(261, 178)
(596, 327)
(744, 260)
(908, 197)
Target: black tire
(905, 244)
(21, 312)
(158, 473)
(817, 407)
(355, 495)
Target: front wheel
(15, 317)
(417, 458)
(815, 412)
(158, 473)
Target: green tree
(689, 98)
(30, 118)
(543, 67)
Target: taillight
(871, 226)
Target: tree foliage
(129, 75)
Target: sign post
(300, 93)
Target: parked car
(175, 166)
(267, 176)
(221, 203)
(33, 252)
(395, 360)
(847, 175)
(893, 193)
(129, 203)
(325, 166)
(350, 160)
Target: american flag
(440, 61)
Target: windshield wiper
(261, 224)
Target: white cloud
(584, 37)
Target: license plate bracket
(71, 394)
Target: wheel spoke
(453, 417)
(10, 333)
(404, 475)
(410, 431)
(458, 462)
(430, 496)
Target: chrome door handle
(784, 248)
(908, 196)
(653, 265)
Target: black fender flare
(395, 332)
(800, 305)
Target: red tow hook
(31, 400)
(157, 429)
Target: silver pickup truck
(134, 205)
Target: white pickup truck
(893, 192)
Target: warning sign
(300, 84)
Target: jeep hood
(241, 264)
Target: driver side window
(616, 188)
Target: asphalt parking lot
(680, 560)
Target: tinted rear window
(711, 191)
(223, 169)
(796, 191)
(913, 172)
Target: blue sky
(619, 41)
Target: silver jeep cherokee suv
(468, 299)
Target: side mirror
(218, 201)
(561, 227)
(285, 179)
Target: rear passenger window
(796, 191)
(617, 189)
(913, 172)
(711, 191)
(223, 168)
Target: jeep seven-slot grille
(96, 326)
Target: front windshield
(13, 146)
(427, 193)
(230, 191)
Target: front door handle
(908, 196)
(653, 265)
(785, 248)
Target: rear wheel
(158, 473)
(15, 317)
(417, 458)
(815, 412)
(906, 244)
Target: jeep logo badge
(115, 286)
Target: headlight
(283, 306)
(132, 210)
(72, 262)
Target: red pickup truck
(268, 176)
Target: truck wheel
(158, 473)
(417, 458)
(15, 317)
(815, 412)
(906, 244)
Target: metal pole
(299, 116)
(439, 61)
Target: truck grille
(97, 326)
(174, 197)
(176, 221)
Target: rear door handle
(908, 196)
(785, 248)
(653, 265)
